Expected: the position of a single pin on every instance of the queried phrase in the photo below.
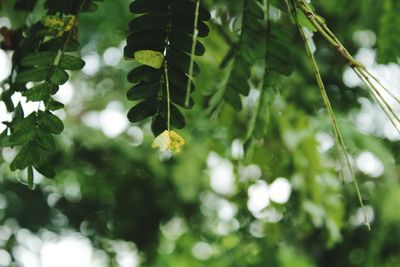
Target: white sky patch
(91, 119)
(174, 228)
(113, 121)
(202, 251)
(4, 116)
(136, 134)
(309, 36)
(92, 65)
(237, 149)
(27, 106)
(226, 210)
(5, 258)
(258, 194)
(365, 38)
(280, 190)
(5, 22)
(65, 93)
(222, 178)
(371, 118)
(325, 141)
(251, 172)
(5, 65)
(112, 56)
(73, 250)
(127, 254)
(358, 218)
(369, 164)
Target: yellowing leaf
(168, 140)
(58, 25)
(150, 58)
(162, 141)
(176, 141)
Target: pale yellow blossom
(168, 141)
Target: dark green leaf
(23, 159)
(68, 62)
(45, 58)
(143, 110)
(158, 124)
(45, 140)
(46, 169)
(50, 122)
(35, 74)
(143, 90)
(39, 92)
(59, 76)
(54, 105)
(144, 74)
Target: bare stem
(168, 95)
(193, 51)
(340, 144)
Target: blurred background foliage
(283, 203)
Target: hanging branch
(41, 58)
(361, 71)
(340, 144)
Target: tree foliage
(239, 80)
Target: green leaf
(45, 58)
(21, 137)
(388, 40)
(54, 105)
(143, 91)
(68, 62)
(6, 98)
(59, 76)
(18, 113)
(158, 124)
(46, 169)
(45, 140)
(180, 61)
(23, 124)
(30, 177)
(39, 92)
(146, 6)
(177, 118)
(23, 158)
(90, 7)
(184, 42)
(304, 22)
(50, 122)
(263, 116)
(143, 110)
(187, 9)
(35, 74)
(55, 44)
(150, 58)
(149, 22)
(144, 74)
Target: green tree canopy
(191, 133)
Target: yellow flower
(168, 140)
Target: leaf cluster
(167, 27)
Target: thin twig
(192, 54)
(168, 95)
(338, 135)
